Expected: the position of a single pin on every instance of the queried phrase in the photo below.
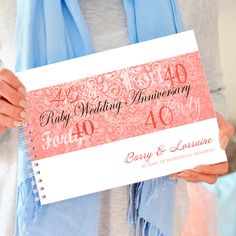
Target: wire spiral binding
(33, 168)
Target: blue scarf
(53, 31)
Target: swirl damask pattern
(124, 100)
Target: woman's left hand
(209, 173)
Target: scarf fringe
(157, 186)
(146, 228)
(28, 196)
(29, 209)
(142, 226)
(135, 193)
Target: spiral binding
(33, 168)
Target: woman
(109, 25)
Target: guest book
(118, 117)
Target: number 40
(163, 113)
(86, 128)
(176, 72)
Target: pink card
(119, 117)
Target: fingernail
(17, 123)
(23, 104)
(224, 142)
(24, 115)
(22, 91)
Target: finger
(14, 112)
(226, 131)
(9, 122)
(224, 141)
(216, 169)
(2, 129)
(210, 179)
(10, 94)
(196, 177)
(12, 80)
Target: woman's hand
(209, 173)
(12, 101)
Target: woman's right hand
(12, 101)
